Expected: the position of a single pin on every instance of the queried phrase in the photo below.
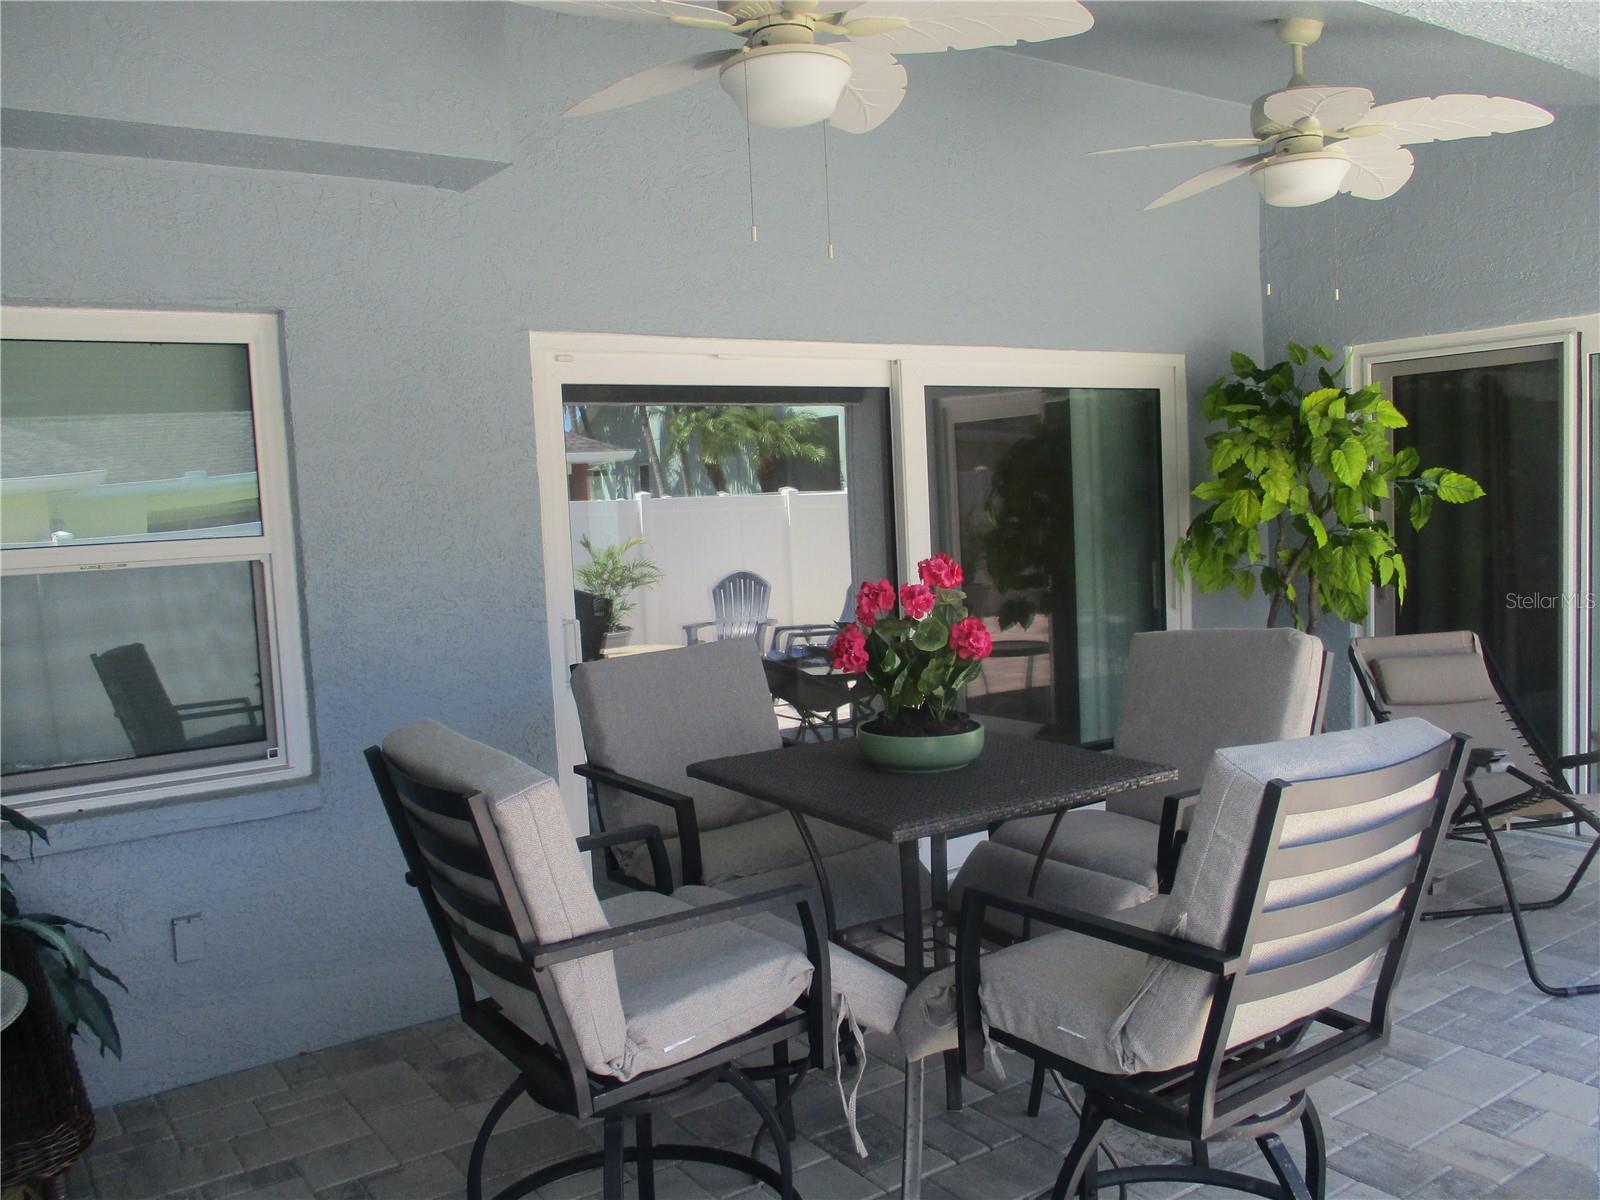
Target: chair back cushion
(651, 715)
(1328, 892)
(1189, 692)
(1443, 678)
(140, 699)
(552, 886)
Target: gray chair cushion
(1109, 843)
(1434, 679)
(691, 991)
(874, 996)
(1188, 692)
(1117, 1011)
(651, 715)
(1005, 871)
(556, 889)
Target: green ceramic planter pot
(920, 755)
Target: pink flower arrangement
(872, 599)
(918, 601)
(917, 649)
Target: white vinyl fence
(799, 542)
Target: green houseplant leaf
(69, 968)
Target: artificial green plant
(1302, 473)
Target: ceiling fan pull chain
(749, 158)
(827, 189)
(1335, 207)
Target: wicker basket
(43, 1106)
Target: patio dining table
(1015, 777)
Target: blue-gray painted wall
(972, 216)
(1488, 232)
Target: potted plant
(612, 574)
(48, 1120)
(1300, 476)
(917, 650)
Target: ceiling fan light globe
(1299, 180)
(786, 86)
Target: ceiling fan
(1315, 142)
(784, 76)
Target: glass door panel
(1053, 502)
(672, 489)
(1496, 566)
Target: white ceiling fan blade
(1378, 168)
(968, 24)
(662, 80)
(1205, 181)
(877, 85)
(1229, 141)
(1446, 118)
(1330, 107)
(702, 15)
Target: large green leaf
(1349, 461)
(1421, 509)
(1388, 415)
(1318, 533)
(1456, 488)
(1243, 365)
(1406, 461)
(931, 634)
(1297, 354)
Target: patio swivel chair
(1188, 1016)
(606, 1009)
(1186, 694)
(1512, 782)
(646, 717)
(739, 602)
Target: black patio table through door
(1015, 777)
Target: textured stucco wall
(973, 216)
(1488, 232)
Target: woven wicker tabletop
(1015, 777)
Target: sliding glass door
(1516, 566)
(1059, 478)
(1058, 493)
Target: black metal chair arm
(682, 807)
(1583, 758)
(660, 865)
(1172, 836)
(737, 909)
(1178, 950)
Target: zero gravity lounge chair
(1512, 781)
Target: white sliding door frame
(1576, 337)
(559, 359)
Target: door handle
(571, 644)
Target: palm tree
(765, 434)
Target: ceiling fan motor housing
(787, 85)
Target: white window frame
(905, 369)
(273, 549)
(1578, 337)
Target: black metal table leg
(822, 873)
(911, 912)
(939, 869)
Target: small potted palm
(613, 575)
